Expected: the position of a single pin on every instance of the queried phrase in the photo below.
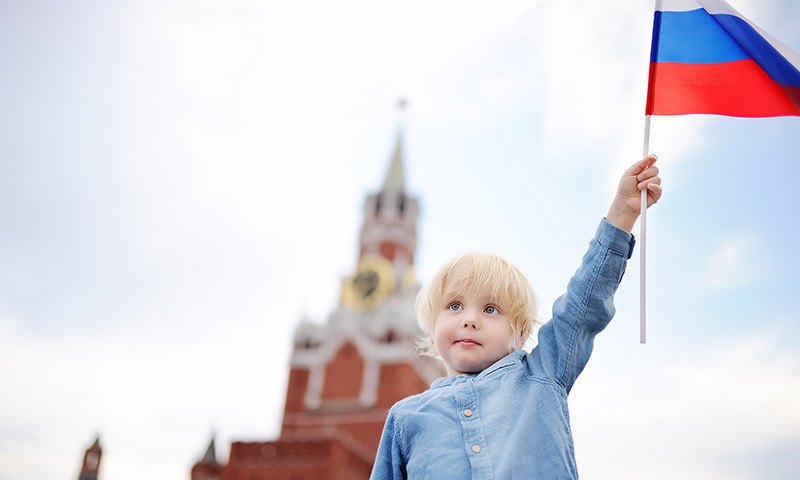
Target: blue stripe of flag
(697, 37)
(760, 50)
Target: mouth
(467, 342)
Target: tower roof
(395, 177)
(210, 457)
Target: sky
(182, 182)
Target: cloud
(595, 65)
(695, 414)
(732, 264)
(153, 393)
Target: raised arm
(566, 341)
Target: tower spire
(210, 457)
(395, 177)
(207, 468)
(395, 181)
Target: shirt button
(468, 413)
(476, 448)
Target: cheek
(511, 344)
(438, 333)
(442, 331)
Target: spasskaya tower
(346, 372)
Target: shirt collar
(509, 359)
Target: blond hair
(477, 272)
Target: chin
(471, 367)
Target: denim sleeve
(389, 463)
(566, 341)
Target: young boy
(502, 413)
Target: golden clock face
(408, 281)
(372, 283)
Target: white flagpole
(643, 245)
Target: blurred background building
(346, 373)
(91, 461)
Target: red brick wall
(296, 390)
(326, 458)
(343, 374)
(398, 382)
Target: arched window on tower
(401, 204)
(378, 204)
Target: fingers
(648, 177)
(641, 165)
(654, 192)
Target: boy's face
(472, 332)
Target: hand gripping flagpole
(643, 244)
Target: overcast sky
(182, 181)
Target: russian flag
(707, 58)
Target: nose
(470, 322)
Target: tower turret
(91, 461)
(207, 468)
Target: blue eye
(491, 310)
(455, 306)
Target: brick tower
(91, 461)
(346, 373)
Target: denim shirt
(510, 420)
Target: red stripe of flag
(738, 89)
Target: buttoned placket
(473, 434)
